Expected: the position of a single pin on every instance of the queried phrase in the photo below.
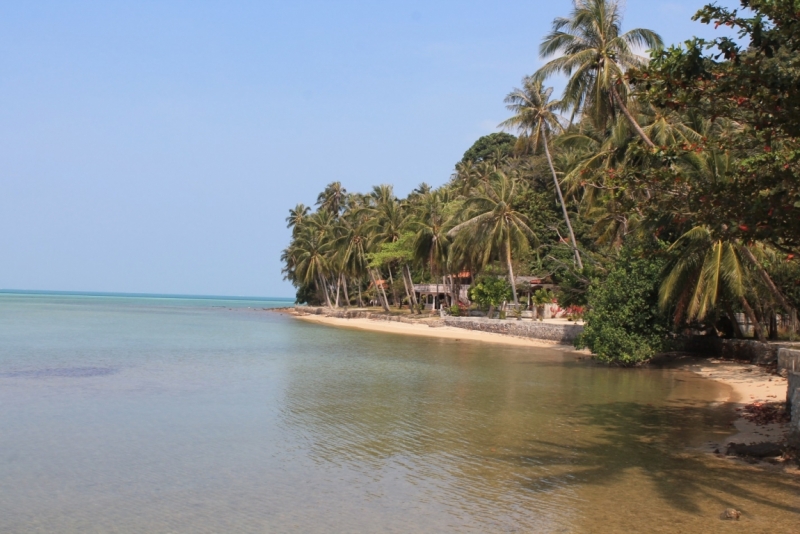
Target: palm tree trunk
(767, 279)
(511, 273)
(379, 292)
(408, 295)
(344, 286)
(360, 300)
(737, 330)
(324, 289)
(753, 319)
(338, 286)
(627, 113)
(407, 274)
(578, 261)
(394, 289)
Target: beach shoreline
(432, 330)
(745, 384)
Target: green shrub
(623, 323)
(490, 292)
(455, 311)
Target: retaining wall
(789, 361)
(564, 333)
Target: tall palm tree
(332, 199)
(494, 225)
(594, 54)
(310, 248)
(535, 116)
(296, 217)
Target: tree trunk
(338, 287)
(360, 300)
(378, 291)
(627, 113)
(511, 273)
(737, 329)
(407, 273)
(324, 289)
(346, 295)
(767, 280)
(394, 289)
(578, 261)
(753, 319)
(408, 295)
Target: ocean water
(162, 414)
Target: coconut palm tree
(594, 54)
(310, 248)
(535, 117)
(494, 225)
(296, 217)
(332, 199)
(705, 271)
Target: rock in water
(731, 514)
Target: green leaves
(490, 291)
(624, 324)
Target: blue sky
(156, 146)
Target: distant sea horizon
(124, 294)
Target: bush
(623, 323)
(490, 292)
(455, 310)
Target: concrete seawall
(563, 333)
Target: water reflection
(534, 441)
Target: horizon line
(124, 294)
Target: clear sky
(156, 146)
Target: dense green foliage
(497, 146)
(696, 148)
(625, 323)
(490, 291)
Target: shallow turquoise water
(143, 414)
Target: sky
(157, 146)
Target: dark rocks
(755, 450)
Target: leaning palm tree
(494, 225)
(705, 271)
(535, 116)
(594, 54)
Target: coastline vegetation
(661, 194)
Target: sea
(182, 414)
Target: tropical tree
(493, 225)
(594, 53)
(332, 199)
(535, 116)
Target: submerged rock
(731, 514)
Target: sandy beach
(423, 329)
(747, 384)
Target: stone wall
(757, 352)
(789, 362)
(565, 333)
